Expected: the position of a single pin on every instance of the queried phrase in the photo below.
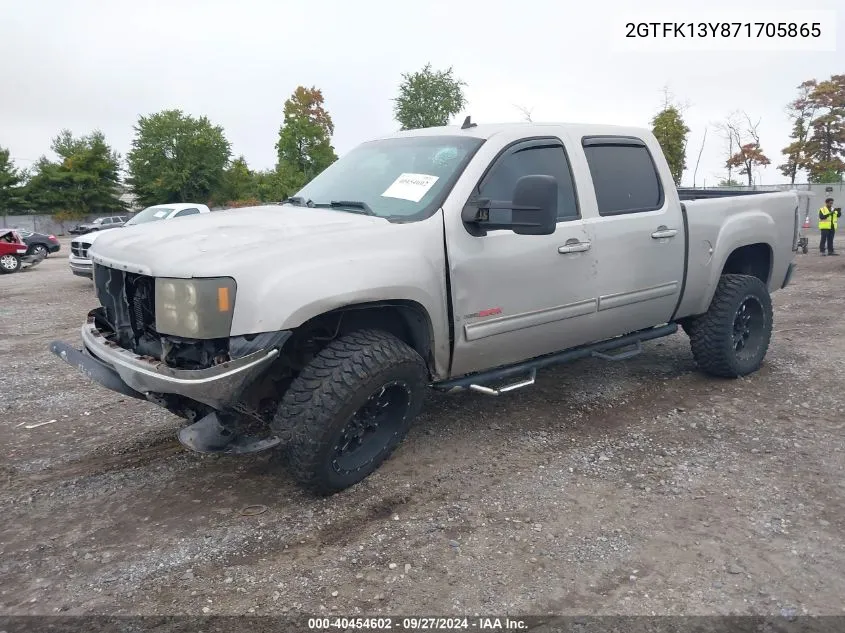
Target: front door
(516, 297)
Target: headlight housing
(195, 308)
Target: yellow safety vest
(828, 219)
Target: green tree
(830, 177)
(826, 145)
(428, 98)
(304, 147)
(237, 183)
(176, 158)
(801, 112)
(671, 132)
(730, 182)
(274, 185)
(85, 180)
(818, 134)
(11, 178)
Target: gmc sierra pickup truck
(455, 258)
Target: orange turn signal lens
(223, 299)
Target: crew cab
(453, 257)
(79, 261)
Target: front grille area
(127, 318)
(129, 303)
(79, 249)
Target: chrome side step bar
(488, 391)
(477, 382)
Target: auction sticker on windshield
(160, 214)
(410, 187)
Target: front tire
(731, 339)
(349, 408)
(10, 264)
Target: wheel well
(753, 259)
(406, 320)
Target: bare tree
(745, 151)
(751, 129)
(698, 160)
(670, 102)
(730, 131)
(526, 112)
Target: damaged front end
(210, 382)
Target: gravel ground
(639, 487)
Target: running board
(638, 349)
(478, 382)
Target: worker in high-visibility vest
(828, 221)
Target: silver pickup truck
(456, 258)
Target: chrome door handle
(662, 232)
(574, 247)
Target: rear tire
(36, 249)
(9, 264)
(349, 408)
(731, 339)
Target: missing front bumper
(137, 376)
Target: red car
(13, 255)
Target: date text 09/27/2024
(417, 624)
(751, 30)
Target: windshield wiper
(298, 201)
(355, 206)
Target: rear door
(638, 234)
(515, 296)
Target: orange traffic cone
(806, 222)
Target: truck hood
(89, 238)
(235, 242)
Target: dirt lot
(609, 488)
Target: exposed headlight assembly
(195, 308)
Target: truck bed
(690, 193)
(717, 225)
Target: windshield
(150, 214)
(403, 178)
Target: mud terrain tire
(731, 339)
(349, 408)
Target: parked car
(13, 253)
(79, 261)
(443, 257)
(98, 225)
(39, 243)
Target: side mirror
(533, 209)
(535, 205)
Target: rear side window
(530, 159)
(624, 176)
(185, 212)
